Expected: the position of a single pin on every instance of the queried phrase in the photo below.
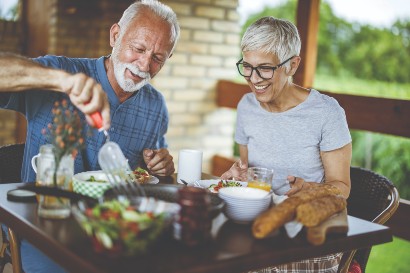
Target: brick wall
(206, 52)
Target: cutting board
(337, 224)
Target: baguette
(315, 212)
(277, 216)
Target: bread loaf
(275, 217)
(315, 212)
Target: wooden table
(233, 248)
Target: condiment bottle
(194, 224)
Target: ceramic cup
(189, 165)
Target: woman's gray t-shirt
(290, 142)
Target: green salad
(117, 229)
(93, 179)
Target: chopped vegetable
(118, 228)
(141, 175)
(223, 183)
(93, 179)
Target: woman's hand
(297, 184)
(238, 171)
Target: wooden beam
(380, 115)
(307, 20)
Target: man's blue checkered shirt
(138, 123)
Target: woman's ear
(294, 64)
(114, 34)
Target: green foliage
(355, 86)
(390, 258)
(345, 48)
(386, 155)
(10, 14)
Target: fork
(114, 164)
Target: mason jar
(47, 175)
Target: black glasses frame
(257, 68)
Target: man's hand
(88, 96)
(238, 171)
(159, 162)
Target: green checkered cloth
(92, 189)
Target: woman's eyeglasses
(265, 72)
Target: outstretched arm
(18, 73)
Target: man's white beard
(127, 85)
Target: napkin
(293, 227)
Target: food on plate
(223, 183)
(315, 212)
(141, 175)
(278, 215)
(93, 179)
(116, 228)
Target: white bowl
(244, 193)
(243, 205)
(92, 189)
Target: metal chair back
(373, 197)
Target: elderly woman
(299, 133)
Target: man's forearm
(18, 73)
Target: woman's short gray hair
(163, 11)
(272, 35)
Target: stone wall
(207, 51)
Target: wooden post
(308, 25)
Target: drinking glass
(260, 178)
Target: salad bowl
(122, 228)
(169, 193)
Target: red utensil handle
(97, 119)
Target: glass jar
(47, 175)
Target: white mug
(189, 165)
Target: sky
(380, 13)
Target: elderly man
(142, 41)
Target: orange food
(259, 185)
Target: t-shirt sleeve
(240, 136)
(335, 132)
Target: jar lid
(18, 195)
(46, 149)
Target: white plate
(207, 183)
(100, 175)
(152, 180)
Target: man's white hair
(163, 11)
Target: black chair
(11, 159)
(373, 197)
